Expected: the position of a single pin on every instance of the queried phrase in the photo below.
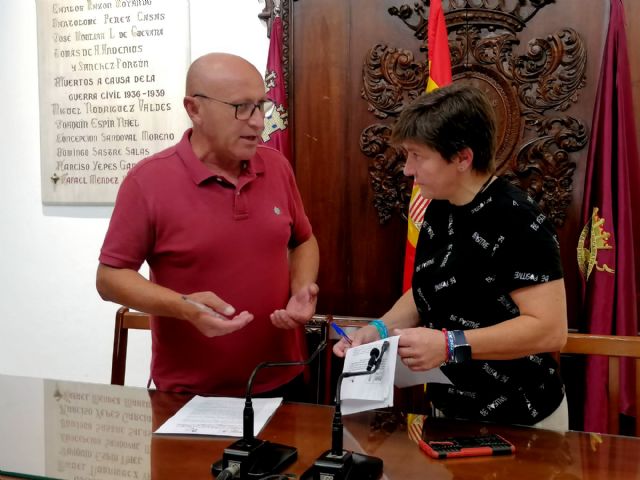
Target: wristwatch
(461, 349)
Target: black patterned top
(468, 260)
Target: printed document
(218, 416)
(368, 392)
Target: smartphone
(467, 446)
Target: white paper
(368, 392)
(218, 416)
(406, 377)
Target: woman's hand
(363, 335)
(421, 348)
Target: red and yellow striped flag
(439, 76)
(414, 427)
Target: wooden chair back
(615, 348)
(315, 331)
(125, 320)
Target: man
(220, 222)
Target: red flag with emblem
(276, 133)
(439, 76)
(607, 248)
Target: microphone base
(349, 466)
(257, 458)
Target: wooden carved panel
(530, 91)
(531, 63)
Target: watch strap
(461, 350)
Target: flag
(276, 133)
(439, 76)
(414, 427)
(611, 220)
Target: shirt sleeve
(129, 238)
(300, 225)
(530, 253)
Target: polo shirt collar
(200, 173)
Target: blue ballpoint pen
(342, 333)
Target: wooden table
(540, 454)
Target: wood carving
(285, 12)
(393, 79)
(389, 184)
(530, 92)
(267, 14)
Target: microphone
(374, 357)
(340, 464)
(250, 457)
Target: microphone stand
(340, 464)
(250, 457)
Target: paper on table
(218, 416)
(406, 378)
(367, 392)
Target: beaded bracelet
(381, 327)
(446, 344)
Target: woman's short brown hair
(450, 119)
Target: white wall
(52, 322)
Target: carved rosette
(391, 80)
(529, 93)
(390, 188)
(544, 168)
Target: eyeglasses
(244, 111)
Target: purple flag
(607, 249)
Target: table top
(69, 430)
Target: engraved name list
(111, 86)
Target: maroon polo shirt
(199, 232)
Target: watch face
(461, 353)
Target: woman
(487, 297)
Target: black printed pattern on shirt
(468, 260)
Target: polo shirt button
(238, 193)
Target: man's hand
(210, 314)
(299, 310)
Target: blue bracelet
(381, 327)
(451, 342)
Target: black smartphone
(467, 446)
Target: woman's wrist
(380, 327)
(447, 348)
